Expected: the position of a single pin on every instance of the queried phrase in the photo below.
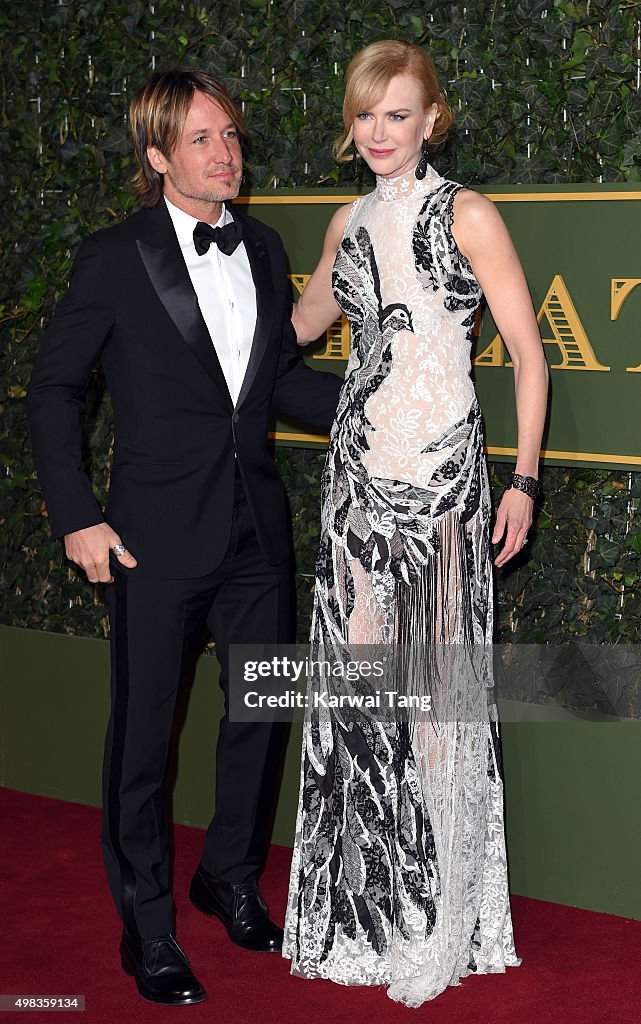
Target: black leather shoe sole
(207, 908)
(157, 997)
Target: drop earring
(422, 165)
(355, 164)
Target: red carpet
(60, 937)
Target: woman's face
(389, 135)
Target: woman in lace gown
(399, 870)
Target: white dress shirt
(226, 295)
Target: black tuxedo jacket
(131, 305)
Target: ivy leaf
(634, 542)
(605, 554)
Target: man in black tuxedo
(186, 305)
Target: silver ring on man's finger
(119, 550)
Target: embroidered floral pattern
(398, 873)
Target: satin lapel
(169, 275)
(261, 273)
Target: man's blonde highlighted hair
(370, 72)
(157, 116)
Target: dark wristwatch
(527, 484)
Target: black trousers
(156, 629)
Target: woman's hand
(513, 520)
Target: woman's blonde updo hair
(370, 72)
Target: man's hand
(90, 550)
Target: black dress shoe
(161, 970)
(242, 910)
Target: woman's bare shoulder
(339, 220)
(336, 229)
(477, 222)
(473, 205)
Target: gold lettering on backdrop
(569, 333)
(299, 281)
(337, 334)
(621, 287)
(337, 346)
(492, 355)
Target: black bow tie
(226, 238)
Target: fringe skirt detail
(399, 870)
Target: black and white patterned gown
(399, 870)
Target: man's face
(206, 166)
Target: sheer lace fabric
(399, 869)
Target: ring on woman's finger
(119, 550)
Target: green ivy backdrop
(543, 91)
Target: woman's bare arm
(317, 308)
(482, 237)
